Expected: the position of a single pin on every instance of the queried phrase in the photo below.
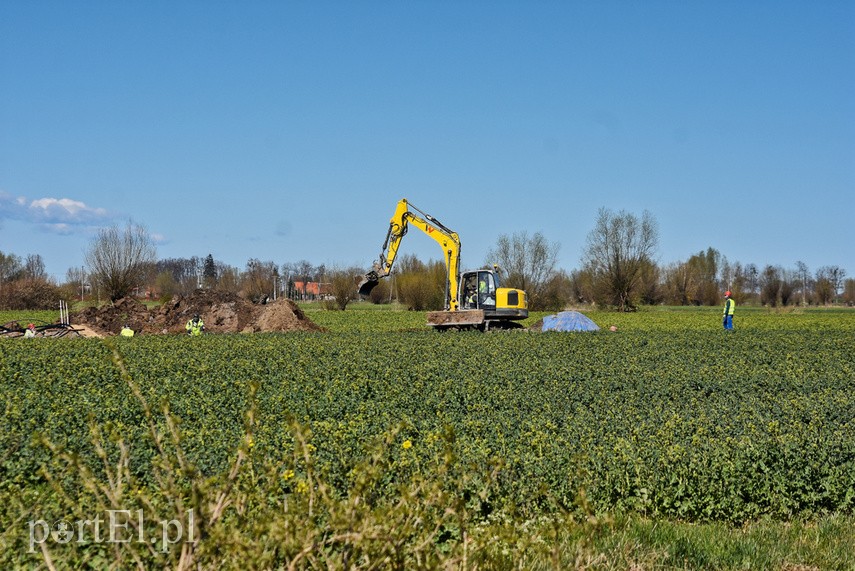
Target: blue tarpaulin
(568, 321)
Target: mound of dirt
(222, 312)
(109, 319)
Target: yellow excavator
(473, 300)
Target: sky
(286, 131)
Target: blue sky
(289, 130)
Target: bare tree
(617, 249)
(804, 277)
(829, 280)
(528, 263)
(652, 292)
(289, 273)
(823, 290)
(118, 259)
(695, 282)
(849, 292)
(788, 286)
(34, 267)
(837, 276)
(228, 278)
(343, 287)
(166, 286)
(185, 273)
(303, 271)
(750, 277)
(705, 266)
(557, 292)
(10, 267)
(582, 289)
(681, 284)
(733, 280)
(770, 286)
(258, 280)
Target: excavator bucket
(368, 283)
(461, 319)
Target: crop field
(382, 444)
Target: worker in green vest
(729, 307)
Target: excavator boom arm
(405, 215)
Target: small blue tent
(568, 321)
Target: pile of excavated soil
(222, 313)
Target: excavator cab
(479, 289)
(500, 305)
(484, 304)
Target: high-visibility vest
(195, 327)
(729, 306)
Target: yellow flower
(287, 474)
(407, 444)
(302, 487)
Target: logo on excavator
(430, 229)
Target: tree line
(617, 270)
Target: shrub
(343, 288)
(32, 294)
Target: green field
(382, 444)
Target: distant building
(307, 291)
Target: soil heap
(222, 312)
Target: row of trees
(13, 268)
(617, 270)
(122, 261)
(24, 283)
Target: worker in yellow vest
(195, 326)
(729, 307)
(126, 331)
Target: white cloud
(65, 210)
(55, 215)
